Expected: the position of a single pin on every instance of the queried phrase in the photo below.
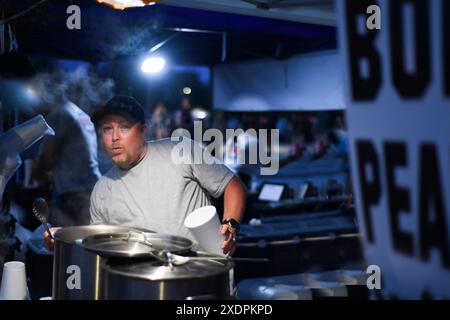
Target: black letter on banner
(432, 233)
(398, 198)
(361, 47)
(410, 85)
(370, 190)
(446, 46)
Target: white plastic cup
(204, 224)
(14, 282)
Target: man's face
(123, 140)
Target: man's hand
(49, 241)
(229, 244)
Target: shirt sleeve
(210, 172)
(95, 208)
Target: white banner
(397, 90)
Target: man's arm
(234, 200)
(213, 176)
(234, 207)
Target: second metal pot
(150, 279)
(76, 271)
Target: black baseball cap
(125, 106)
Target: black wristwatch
(233, 224)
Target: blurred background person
(183, 116)
(69, 158)
(338, 137)
(160, 123)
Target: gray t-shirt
(158, 193)
(76, 168)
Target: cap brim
(99, 115)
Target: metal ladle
(145, 241)
(178, 260)
(40, 211)
(172, 259)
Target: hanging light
(124, 4)
(153, 65)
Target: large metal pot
(76, 270)
(152, 279)
(135, 244)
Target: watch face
(235, 225)
(232, 223)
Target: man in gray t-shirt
(148, 187)
(157, 193)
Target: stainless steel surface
(296, 240)
(76, 271)
(152, 279)
(135, 244)
(178, 260)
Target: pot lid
(153, 270)
(75, 234)
(135, 244)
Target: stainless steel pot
(135, 244)
(152, 279)
(76, 271)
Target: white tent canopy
(308, 11)
(302, 83)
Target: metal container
(136, 244)
(151, 279)
(76, 270)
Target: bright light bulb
(153, 65)
(199, 113)
(124, 4)
(187, 90)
